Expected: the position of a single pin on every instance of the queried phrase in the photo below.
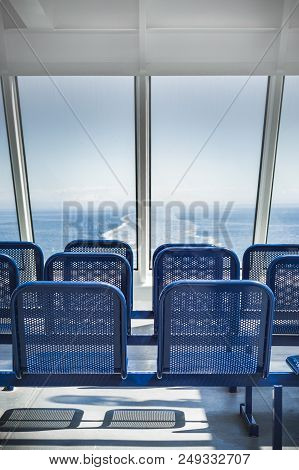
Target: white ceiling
(149, 36)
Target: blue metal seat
(257, 259)
(213, 333)
(69, 328)
(283, 279)
(215, 327)
(92, 267)
(28, 257)
(9, 280)
(191, 263)
(102, 246)
(177, 245)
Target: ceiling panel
(214, 13)
(92, 14)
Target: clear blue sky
(186, 111)
(64, 123)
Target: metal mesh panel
(8, 282)
(257, 259)
(176, 245)
(185, 263)
(101, 246)
(283, 279)
(27, 257)
(214, 329)
(68, 329)
(90, 268)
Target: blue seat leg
(277, 418)
(8, 388)
(246, 413)
(233, 389)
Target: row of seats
(208, 322)
(205, 327)
(112, 262)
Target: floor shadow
(94, 400)
(40, 419)
(143, 419)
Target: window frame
(10, 156)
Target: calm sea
(234, 232)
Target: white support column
(142, 131)
(17, 157)
(268, 159)
(3, 60)
(142, 128)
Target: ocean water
(235, 231)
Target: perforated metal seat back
(9, 280)
(91, 267)
(257, 259)
(283, 279)
(191, 263)
(177, 245)
(28, 258)
(217, 327)
(69, 328)
(102, 246)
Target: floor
(180, 418)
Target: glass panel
(79, 135)
(284, 217)
(206, 136)
(9, 229)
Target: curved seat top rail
(283, 280)
(192, 263)
(257, 259)
(69, 328)
(9, 280)
(215, 327)
(28, 257)
(102, 246)
(178, 245)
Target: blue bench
(257, 259)
(215, 327)
(191, 263)
(68, 328)
(256, 262)
(28, 257)
(213, 333)
(9, 280)
(283, 280)
(92, 267)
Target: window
(79, 135)
(206, 137)
(284, 216)
(9, 229)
